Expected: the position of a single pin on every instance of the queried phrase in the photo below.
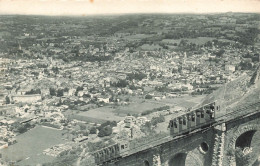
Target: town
(79, 84)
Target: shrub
(7, 100)
(93, 130)
(148, 96)
(106, 131)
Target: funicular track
(232, 115)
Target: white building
(231, 68)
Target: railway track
(231, 115)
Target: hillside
(240, 92)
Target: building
(129, 121)
(26, 98)
(230, 68)
(3, 144)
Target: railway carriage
(111, 152)
(199, 118)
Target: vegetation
(146, 128)
(51, 125)
(93, 130)
(32, 91)
(24, 127)
(79, 88)
(162, 89)
(136, 76)
(244, 159)
(7, 100)
(246, 65)
(156, 120)
(58, 93)
(148, 96)
(105, 129)
(52, 92)
(94, 146)
(121, 83)
(155, 110)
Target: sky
(97, 7)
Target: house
(141, 120)
(26, 98)
(105, 100)
(129, 121)
(230, 68)
(71, 92)
(3, 144)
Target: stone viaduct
(212, 146)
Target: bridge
(212, 145)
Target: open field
(138, 105)
(98, 115)
(30, 145)
(136, 37)
(185, 101)
(107, 113)
(199, 40)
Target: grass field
(98, 115)
(136, 106)
(185, 101)
(107, 113)
(136, 37)
(199, 40)
(30, 145)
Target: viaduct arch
(243, 137)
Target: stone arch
(240, 131)
(146, 163)
(194, 158)
(178, 160)
(239, 139)
(186, 159)
(244, 140)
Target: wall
(236, 129)
(190, 146)
(26, 98)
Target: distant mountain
(243, 91)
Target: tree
(93, 130)
(85, 133)
(136, 76)
(106, 131)
(52, 92)
(220, 53)
(22, 129)
(113, 124)
(55, 70)
(148, 96)
(246, 65)
(156, 120)
(79, 88)
(7, 100)
(32, 91)
(60, 92)
(244, 159)
(83, 127)
(147, 127)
